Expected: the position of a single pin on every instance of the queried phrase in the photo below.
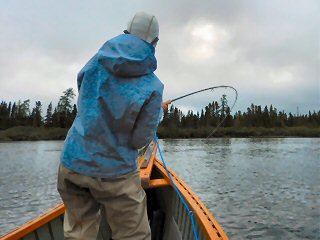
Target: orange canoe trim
(34, 224)
(211, 227)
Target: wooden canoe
(169, 219)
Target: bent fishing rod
(190, 213)
(207, 89)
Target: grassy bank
(239, 132)
(32, 134)
(39, 133)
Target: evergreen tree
(3, 115)
(73, 113)
(56, 118)
(13, 115)
(229, 119)
(64, 104)
(238, 119)
(266, 117)
(36, 115)
(216, 109)
(290, 121)
(65, 108)
(18, 113)
(224, 105)
(49, 117)
(273, 115)
(23, 113)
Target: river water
(257, 188)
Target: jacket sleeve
(90, 64)
(147, 122)
(80, 79)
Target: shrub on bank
(238, 132)
(23, 133)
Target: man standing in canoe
(118, 112)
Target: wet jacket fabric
(118, 109)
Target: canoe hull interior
(169, 219)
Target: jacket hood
(127, 56)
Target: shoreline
(242, 132)
(27, 133)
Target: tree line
(19, 114)
(216, 113)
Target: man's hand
(165, 105)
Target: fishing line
(211, 133)
(212, 88)
(178, 192)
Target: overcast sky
(267, 50)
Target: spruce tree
(36, 115)
(65, 108)
(48, 119)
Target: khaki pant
(123, 198)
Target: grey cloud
(271, 54)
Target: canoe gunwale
(210, 227)
(34, 224)
(208, 223)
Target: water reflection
(27, 181)
(256, 188)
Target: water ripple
(256, 188)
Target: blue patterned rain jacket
(118, 109)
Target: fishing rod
(207, 89)
(190, 213)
